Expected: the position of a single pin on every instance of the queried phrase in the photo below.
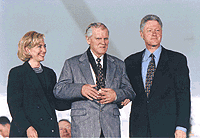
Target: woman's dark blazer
(28, 103)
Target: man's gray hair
(148, 18)
(88, 32)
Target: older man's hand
(31, 132)
(90, 92)
(108, 95)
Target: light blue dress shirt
(146, 59)
(145, 62)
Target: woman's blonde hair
(29, 40)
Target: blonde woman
(30, 91)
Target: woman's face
(38, 52)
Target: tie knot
(98, 60)
(152, 55)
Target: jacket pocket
(78, 112)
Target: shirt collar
(156, 53)
(95, 57)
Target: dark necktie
(99, 78)
(150, 74)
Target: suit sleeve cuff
(181, 128)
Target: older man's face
(152, 33)
(98, 41)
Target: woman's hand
(31, 132)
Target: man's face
(152, 33)
(98, 41)
(65, 129)
(4, 130)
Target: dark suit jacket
(28, 104)
(169, 102)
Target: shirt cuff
(181, 128)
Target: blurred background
(64, 22)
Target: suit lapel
(38, 88)
(139, 73)
(85, 69)
(110, 72)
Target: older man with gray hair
(96, 83)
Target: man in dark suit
(95, 82)
(160, 78)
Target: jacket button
(52, 130)
(51, 118)
(147, 101)
(41, 119)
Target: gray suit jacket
(89, 117)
